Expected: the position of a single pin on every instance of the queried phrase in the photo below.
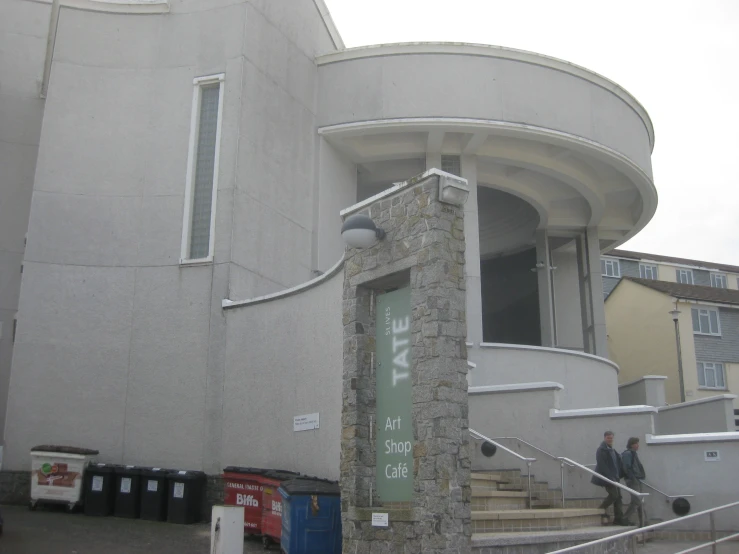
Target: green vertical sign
(394, 428)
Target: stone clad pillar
(406, 360)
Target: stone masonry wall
(424, 247)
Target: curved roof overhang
(572, 182)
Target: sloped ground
(48, 531)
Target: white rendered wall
(132, 342)
(589, 381)
(284, 358)
(478, 85)
(337, 184)
(23, 29)
(703, 416)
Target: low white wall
(677, 467)
(649, 391)
(284, 359)
(575, 434)
(707, 415)
(589, 381)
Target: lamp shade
(359, 231)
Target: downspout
(50, 43)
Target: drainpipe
(675, 313)
(53, 23)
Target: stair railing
(633, 534)
(562, 464)
(528, 461)
(668, 497)
(563, 461)
(639, 495)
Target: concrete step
(535, 542)
(487, 476)
(499, 500)
(543, 519)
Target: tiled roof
(671, 260)
(690, 292)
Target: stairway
(503, 522)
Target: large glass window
(451, 164)
(202, 170)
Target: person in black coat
(608, 464)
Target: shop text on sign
(394, 428)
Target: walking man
(634, 475)
(608, 464)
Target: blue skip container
(311, 517)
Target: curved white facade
(124, 341)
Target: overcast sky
(679, 58)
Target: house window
(647, 271)
(201, 183)
(451, 164)
(711, 375)
(706, 322)
(718, 280)
(610, 268)
(685, 276)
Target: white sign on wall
(379, 520)
(305, 422)
(712, 456)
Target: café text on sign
(394, 427)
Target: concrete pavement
(50, 531)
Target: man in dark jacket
(608, 464)
(634, 475)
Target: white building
(189, 157)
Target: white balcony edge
(692, 438)
(645, 378)
(484, 50)
(228, 304)
(549, 349)
(609, 411)
(518, 387)
(115, 6)
(699, 401)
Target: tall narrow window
(202, 170)
(451, 164)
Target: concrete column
(433, 160)
(596, 291)
(472, 253)
(544, 276)
(591, 293)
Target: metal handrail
(528, 461)
(606, 479)
(667, 496)
(713, 542)
(480, 436)
(552, 456)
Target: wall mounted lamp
(359, 231)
